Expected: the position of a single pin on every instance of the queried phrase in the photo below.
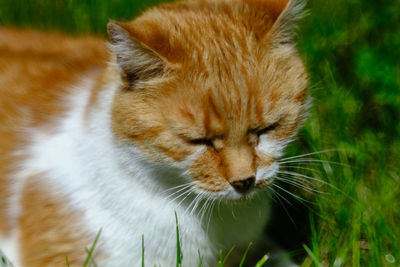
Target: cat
(186, 110)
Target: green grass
(179, 256)
(178, 245)
(89, 261)
(351, 48)
(4, 261)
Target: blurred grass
(73, 16)
(351, 49)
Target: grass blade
(221, 259)
(92, 263)
(261, 262)
(85, 264)
(227, 254)
(142, 250)
(312, 256)
(245, 254)
(200, 260)
(178, 245)
(5, 262)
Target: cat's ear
(285, 27)
(136, 61)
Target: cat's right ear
(135, 60)
(285, 27)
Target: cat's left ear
(136, 61)
(285, 27)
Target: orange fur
(50, 230)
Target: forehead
(235, 97)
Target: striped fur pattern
(187, 110)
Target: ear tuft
(285, 27)
(135, 60)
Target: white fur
(266, 173)
(121, 193)
(270, 146)
(10, 248)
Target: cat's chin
(242, 199)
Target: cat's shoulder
(29, 43)
(34, 62)
(38, 68)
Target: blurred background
(352, 51)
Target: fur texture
(197, 102)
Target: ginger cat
(187, 110)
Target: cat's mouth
(260, 184)
(257, 186)
(232, 195)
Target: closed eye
(202, 141)
(266, 129)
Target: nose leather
(244, 185)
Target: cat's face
(223, 112)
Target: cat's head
(214, 87)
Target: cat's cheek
(207, 171)
(270, 146)
(191, 158)
(265, 174)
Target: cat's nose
(243, 186)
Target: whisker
(305, 177)
(299, 180)
(206, 205)
(280, 196)
(197, 202)
(306, 183)
(203, 209)
(180, 190)
(309, 154)
(322, 194)
(273, 193)
(315, 160)
(290, 193)
(284, 207)
(300, 168)
(323, 182)
(178, 186)
(191, 204)
(295, 163)
(212, 205)
(299, 185)
(186, 190)
(209, 211)
(191, 190)
(233, 213)
(295, 183)
(219, 209)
